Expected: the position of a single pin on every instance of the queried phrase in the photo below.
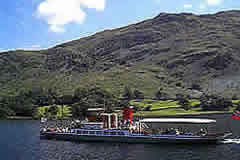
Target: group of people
(172, 131)
(57, 129)
(61, 126)
(175, 131)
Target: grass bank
(19, 118)
(171, 108)
(160, 104)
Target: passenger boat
(117, 135)
(140, 131)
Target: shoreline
(146, 116)
(19, 118)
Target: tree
(79, 110)
(47, 113)
(214, 102)
(92, 97)
(238, 107)
(147, 108)
(80, 93)
(5, 111)
(196, 86)
(51, 96)
(127, 93)
(64, 100)
(138, 94)
(22, 104)
(53, 110)
(161, 95)
(183, 101)
(235, 97)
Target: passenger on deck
(172, 131)
(167, 131)
(177, 132)
(203, 132)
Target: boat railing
(100, 132)
(122, 133)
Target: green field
(171, 108)
(154, 104)
(42, 112)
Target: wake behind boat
(231, 141)
(112, 129)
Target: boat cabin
(181, 125)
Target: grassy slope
(138, 77)
(161, 104)
(163, 51)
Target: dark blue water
(97, 151)
(19, 140)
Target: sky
(40, 24)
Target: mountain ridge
(169, 51)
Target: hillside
(171, 51)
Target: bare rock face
(180, 47)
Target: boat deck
(125, 136)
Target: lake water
(19, 140)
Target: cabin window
(85, 132)
(106, 133)
(79, 132)
(121, 133)
(98, 132)
(114, 133)
(91, 132)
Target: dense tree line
(27, 101)
(183, 101)
(24, 103)
(130, 94)
(95, 97)
(215, 103)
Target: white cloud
(187, 6)
(27, 48)
(36, 46)
(58, 13)
(213, 2)
(57, 28)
